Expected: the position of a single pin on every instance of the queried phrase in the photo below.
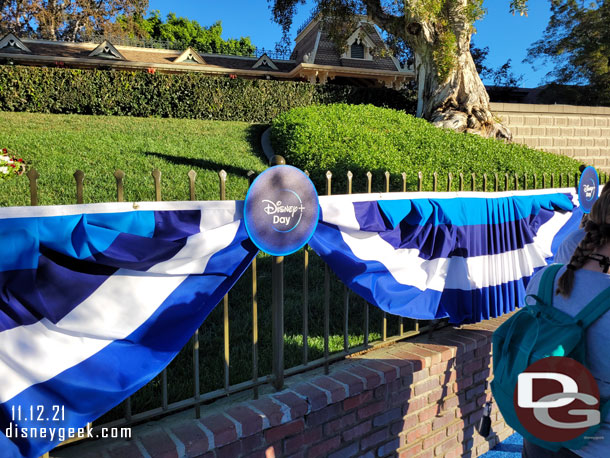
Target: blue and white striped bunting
(465, 256)
(95, 300)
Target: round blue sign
(588, 189)
(281, 210)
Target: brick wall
(419, 398)
(579, 132)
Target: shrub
(366, 138)
(186, 95)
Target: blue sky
(507, 36)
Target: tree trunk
(451, 92)
(460, 102)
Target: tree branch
(388, 22)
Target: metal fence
(405, 327)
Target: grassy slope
(57, 145)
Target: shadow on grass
(197, 163)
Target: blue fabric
(51, 294)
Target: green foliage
(187, 95)
(366, 138)
(577, 41)
(187, 32)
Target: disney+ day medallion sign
(588, 189)
(281, 210)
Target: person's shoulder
(534, 283)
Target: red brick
(324, 448)
(250, 421)
(408, 422)
(438, 369)
(335, 426)
(345, 452)
(375, 439)
(450, 403)
(428, 413)
(315, 396)
(389, 371)
(418, 432)
(426, 386)
(417, 361)
(473, 392)
(356, 385)
(420, 375)
(337, 390)
(436, 395)
(298, 406)
(389, 448)
(472, 366)
(285, 430)
(252, 442)
(322, 416)
(411, 451)
(373, 379)
(371, 409)
(229, 451)
(417, 403)
(405, 367)
(127, 450)
(443, 420)
(445, 446)
(387, 417)
(309, 436)
(432, 441)
(159, 444)
(357, 431)
(273, 411)
(193, 438)
(456, 452)
(435, 357)
(358, 400)
(380, 392)
(222, 428)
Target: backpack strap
(547, 282)
(594, 309)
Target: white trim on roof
(106, 50)
(11, 41)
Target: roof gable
(265, 62)
(10, 43)
(106, 50)
(189, 56)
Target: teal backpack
(535, 332)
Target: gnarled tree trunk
(453, 97)
(460, 102)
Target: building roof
(314, 58)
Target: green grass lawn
(57, 145)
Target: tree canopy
(187, 32)
(577, 41)
(65, 19)
(451, 93)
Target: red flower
(4, 150)
(151, 70)
(12, 165)
(20, 160)
(232, 76)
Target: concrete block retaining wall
(582, 133)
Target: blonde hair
(597, 234)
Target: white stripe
(286, 417)
(209, 434)
(237, 424)
(38, 352)
(405, 265)
(234, 207)
(180, 447)
(261, 414)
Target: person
(569, 244)
(576, 285)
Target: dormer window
(106, 50)
(357, 50)
(359, 46)
(11, 44)
(189, 56)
